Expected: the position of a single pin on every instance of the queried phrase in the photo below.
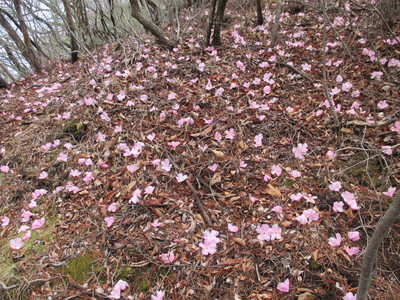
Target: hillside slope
(205, 173)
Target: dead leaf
(273, 191)
(346, 130)
(215, 179)
(308, 296)
(203, 133)
(239, 241)
(219, 154)
(231, 261)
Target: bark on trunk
(210, 21)
(150, 26)
(28, 54)
(260, 19)
(3, 83)
(72, 30)
(391, 215)
(219, 19)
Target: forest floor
(114, 168)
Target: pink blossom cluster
(267, 233)
(308, 216)
(209, 245)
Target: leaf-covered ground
(205, 173)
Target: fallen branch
(88, 293)
(371, 252)
(292, 68)
(381, 123)
(5, 287)
(196, 197)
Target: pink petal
(352, 251)
(16, 244)
(38, 223)
(109, 221)
(233, 228)
(284, 286)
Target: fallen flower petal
(109, 221)
(38, 223)
(158, 296)
(16, 244)
(352, 251)
(284, 286)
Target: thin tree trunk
(22, 70)
(275, 29)
(20, 44)
(6, 71)
(324, 72)
(260, 19)
(72, 30)
(391, 215)
(111, 4)
(33, 59)
(150, 26)
(3, 83)
(210, 21)
(82, 23)
(219, 18)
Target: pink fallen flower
(276, 170)
(149, 190)
(295, 173)
(350, 296)
(335, 186)
(335, 241)
(277, 209)
(330, 154)
(16, 244)
(284, 286)
(27, 235)
(354, 235)
(5, 221)
(181, 177)
(232, 228)
(258, 140)
(213, 167)
(338, 206)
(109, 221)
(158, 296)
(118, 287)
(112, 207)
(156, 223)
(267, 233)
(38, 223)
(43, 175)
(168, 258)
(390, 192)
(4, 169)
(352, 251)
(387, 150)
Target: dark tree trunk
(260, 19)
(3, 83)
(111, 4)
(391, 215)
(26, 52)
(82, 22)
(219, 19)
(150, 26)
(14, 60)
(210, 21)
(33, 59)
(72, 30)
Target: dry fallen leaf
(273, 191)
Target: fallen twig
(86, 292)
